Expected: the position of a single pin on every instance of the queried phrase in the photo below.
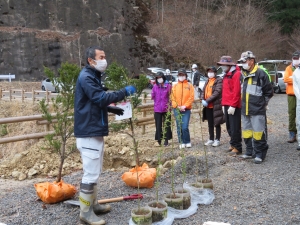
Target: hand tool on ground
(102, 201)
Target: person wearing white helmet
(168, 76)
(196, 79)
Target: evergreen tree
(60, 112)
(287, 13)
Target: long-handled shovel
(124, 198)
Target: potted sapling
(206, 182)
(159, 207)
(186, 197)
(139, 215)
(174, 199)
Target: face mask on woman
(100, 65)
(211, 74)
(160, 80)
(181, 78)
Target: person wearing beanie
(211, 101)
(182, 99)
(288, 79)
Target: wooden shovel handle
(110, 200)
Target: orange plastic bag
(146, 176)
(54, 192)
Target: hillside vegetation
(203, 30)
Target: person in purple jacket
(161, 97)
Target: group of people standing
(239, 99)
(178, 97)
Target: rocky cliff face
(39, 33)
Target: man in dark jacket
(195, 80)
(231, 102)
(256, 93)
(90, 125)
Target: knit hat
(182, 70)
(214, 69)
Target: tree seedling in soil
(206, 180)
(117, 78)
(61, 112)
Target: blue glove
(130, 90)
(204, 103)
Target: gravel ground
(245, 193)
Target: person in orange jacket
(182, 99)
(288, 79)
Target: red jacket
(231, 94)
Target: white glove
(231, 110)
(223, 109)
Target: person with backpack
(211, 100)
(182, 99)
(256, 94)
(161, 97)
(231, 103)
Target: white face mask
(100, 65)
(160, 80)
(181, 78)
(225, 68)
(296, 62)
(245, 66)
(210, 75)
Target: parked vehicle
(276, 68)
(151, 81)
(156, 69)
(281, 84)
(48, 85)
